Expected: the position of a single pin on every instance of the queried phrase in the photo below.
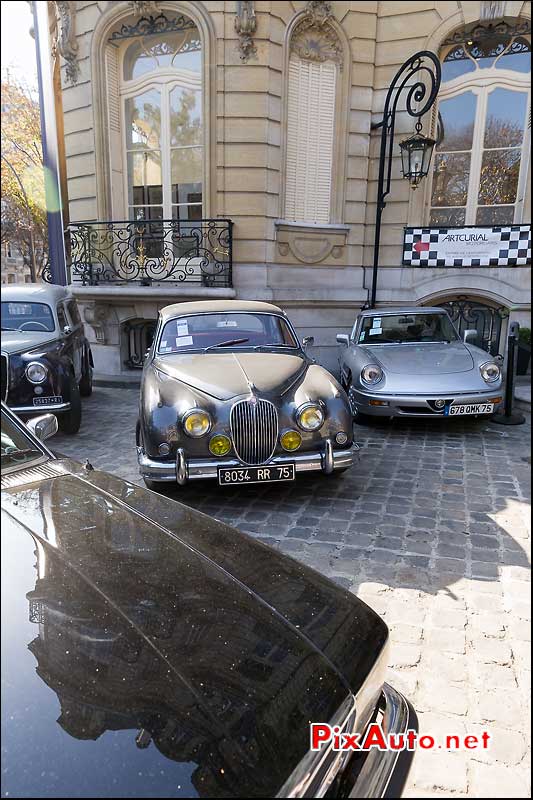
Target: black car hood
(184, 659)
(21, 341)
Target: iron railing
(149, 252)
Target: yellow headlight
(220, 445)
(196, 423)
(290, 440)
(310, 417)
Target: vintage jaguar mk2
(149, 650)
(46, 359)
(228, 392)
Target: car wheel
(86, 383)
(363, 419)
(70, 421)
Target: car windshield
(27, 317)
(406, 329)
(17, 448)
(225, 331)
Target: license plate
(473, 408)
(228, 476)
(56, 400)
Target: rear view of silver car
(412, 362)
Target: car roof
(180, 309)
(381, 312)
(35, 293)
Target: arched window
(313, 90)
(159, 127)
(480, 165)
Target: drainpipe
(54, 216)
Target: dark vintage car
(228, 392)
(151, 651)
(46, 359)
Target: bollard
(510, 417)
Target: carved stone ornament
(65, 42)
(96, 315)
(314, 38)
(141, 8)
(245, 26)
(491, 10)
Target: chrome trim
(328, 464)
(379, 766)
(181, 467)
(301, 409)
(39, 409)
(201, 469)
(5, 356)
(196, 411)
(254, 430)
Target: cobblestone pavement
(431, 528)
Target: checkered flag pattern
(514, 249)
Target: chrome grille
(254, 430)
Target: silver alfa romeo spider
(412, 362)
(228, 392)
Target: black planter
(524, 357)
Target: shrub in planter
(524, 351)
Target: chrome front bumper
(415, 405)
(41, 409)
(183, 470)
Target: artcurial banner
(499, 246)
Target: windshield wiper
(229, 343)
(25, 452)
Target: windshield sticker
(362, 337)
(375, 331)
(376, 322)
(165, 349)
(164, 344)
(182, 328)
(184, 341)
(227, 323)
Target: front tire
(70, 421)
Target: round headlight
(310, 417)
(371, 374)
(490, 372)
(196, 423)
(36, 373)
(290, 440)
(220, 445)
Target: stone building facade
(261, 113)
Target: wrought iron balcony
(147, 252)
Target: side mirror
(343, 339)
(470, 336)
(67, 329)
(308, 341)
(43, 427)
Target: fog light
(38, 390)
(164, 449)
(341, 437)
(220, 445)
(290, 440)
(379, 403)
(440, 403)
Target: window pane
(138, 214)
(447, 217)
(495, 215)
(144, 177)
(499, 177)
(457, 117)
(186, 166)
(143, 121)
(137, 62)
(519, 60)
(450, 180)
(506, 112)
(174, 49)
(456, 63)
(187, 213)
(185, 117)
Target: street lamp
(416, 151)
